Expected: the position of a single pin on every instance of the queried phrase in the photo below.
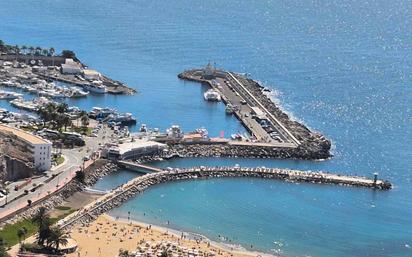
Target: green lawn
(9, 232)
(87, 131)
(59, 160)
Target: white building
(134, 149)
(91, 74)
(71, 67)
(39, 148)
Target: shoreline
(232, 248)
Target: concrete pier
(267, 123)
(121, 194)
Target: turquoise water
(342, 67)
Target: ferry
(96, 87)
(212, 95)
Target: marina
(338, 70)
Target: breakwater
(249, 97)
(121, 194)
(244, 151)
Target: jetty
(264, 120)
(137, 185)
(130, 165)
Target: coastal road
(56, 178)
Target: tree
(84, 118)
(52, 52)
(45, 52)
(57, 237)
(68, 54)
(3, 252)
(38, 50)
(31, 49)
(80, 176)
(43, 221)
(24, 48)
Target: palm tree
(31, 49)
(45, 52)
(43, 222)
(38, 50)
(57, 237)
(24, 48)
(52, 52)
(84, 118)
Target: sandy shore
(106, 236)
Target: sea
(342, 67)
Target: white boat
(230, 109)
(7, 83)
(212, 95)
(21, 104)
(75, 92)
(4, 95)
(96, 87)
(143, 128)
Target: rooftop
(128, 146)
(28, 137)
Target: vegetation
(80, 176)
(58, 159)
(63, 208)
(10, 233)
(35, 51)
(68, 54)
(54, 116)
(3, 252)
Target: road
(62, 174)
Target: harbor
(117, 196)
(35, 73)
(266, 122)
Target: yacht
(212, 95)
(75, 92)
(4, 95)
(96, 87)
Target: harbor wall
(116, 197)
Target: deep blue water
(342, 67)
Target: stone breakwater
(121, 194)
(242, 151)
(92, 174)
(312, 144)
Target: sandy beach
(106, 236)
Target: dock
(137, 185)
(138, 167)
(265, 121)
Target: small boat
(4, 95)
(143, 128)
(76, 93)
(212, 95)
(230, 109)
(96, 87)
